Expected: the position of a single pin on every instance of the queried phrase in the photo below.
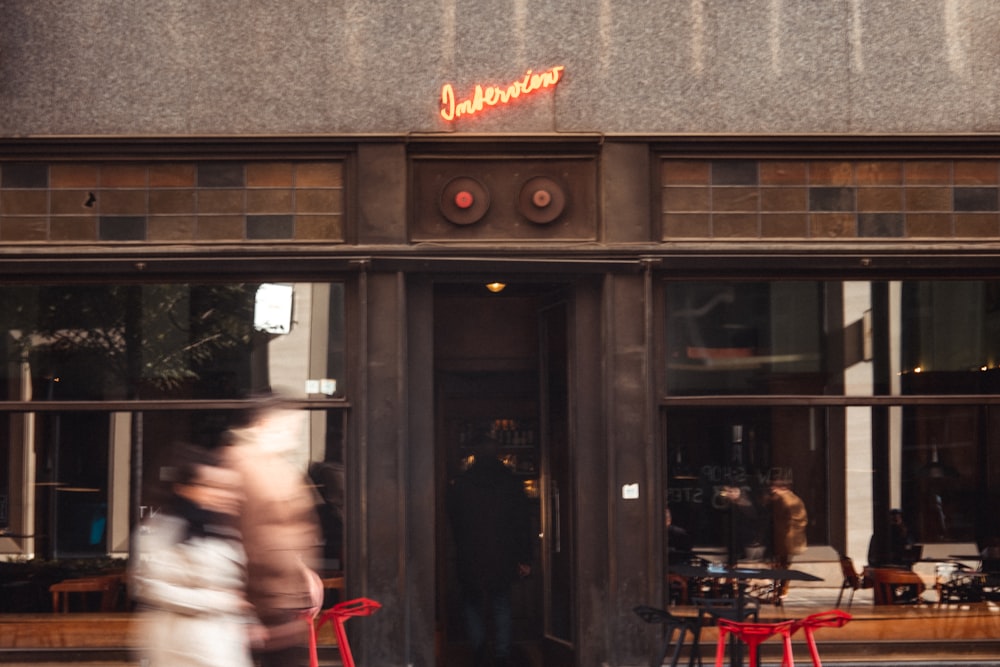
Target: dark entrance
(492, 373)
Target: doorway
(494, 373)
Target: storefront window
(745, 338)
(889, 386)
(122, 373)
(170, 341)
(714, 451)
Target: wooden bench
(109, 586)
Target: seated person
(900, 548)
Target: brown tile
(686, 172)
(977, 225)
(24, 228)
(72, 202)
(269, 201)
(928, 199)
(686, 199)
(927, 172)
(877, 172)
(319, 201)
(73, 228)
(977, 172)
(269, 175)
(221, 228)
(24, 175)
(221, 200)
(831, 172)
(833, 225)
(735, 225)
(121, 202)
(783, 173)
(880, 199)
(319, 227)
(784, 225)
(123, 176)
(73, 176)
(735, 199)
(121, 228)
(928, 225)
(166, 202)
(319, 175)
(784, 199)
(24, 202)
(881, 225)
(173, 175)
(676, 226)
(171, 227)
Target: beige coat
(280, 530)
(790, 520)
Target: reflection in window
(745, 338)
(119, 342)
(65, 482)
(711, 449)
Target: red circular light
(464, 199)
(541, 198)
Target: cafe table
(742, 576)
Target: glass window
(891, 386)
(171, 341)
(70, 470)
(713, 452)
(745, 338)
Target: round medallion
(542, 200)
(464, 201)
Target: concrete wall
(231, 67)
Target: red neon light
(491, 96)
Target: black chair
(990, 578)
(852, 580)
(710, 610)
(671, 623)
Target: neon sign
(491, 96)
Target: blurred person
(329, 481)
(281, 532)
(788, 524)
(678, 541)
(491, 522)
(190, 573)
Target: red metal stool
(834, 618)
(753, 634)
(337, 615)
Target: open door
(557, 541)
(500, 365)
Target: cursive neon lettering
(491, 96)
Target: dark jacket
(490, 520)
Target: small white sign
(272, 311)
(312, 386)
(328, 386)
(630, 491)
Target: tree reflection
(121, 341)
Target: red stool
(753, 634)
(337, 615)
(825, 619)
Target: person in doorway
(490, 520)
(679, 548)
(190, 571)
(281, 532)
(900, 545)
(788, 524)
(678, 540)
